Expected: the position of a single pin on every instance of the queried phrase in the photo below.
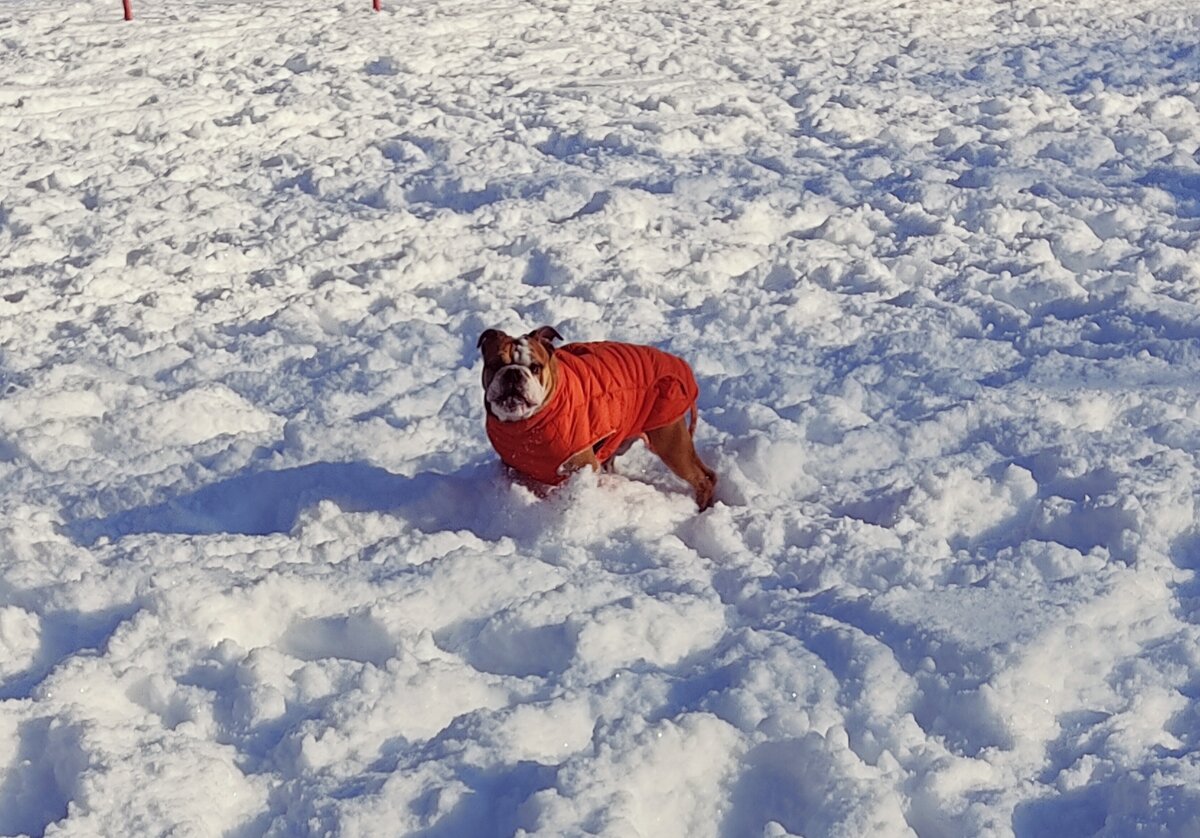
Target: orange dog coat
(605, 391)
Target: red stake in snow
(128, 9)
(375, 5)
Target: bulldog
(551, 412)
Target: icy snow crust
(934, 264)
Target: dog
(551, 412)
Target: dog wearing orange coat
(551, 412)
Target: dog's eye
(536, 369)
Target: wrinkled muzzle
(515, 393)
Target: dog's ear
(488, 334)
(547, 335)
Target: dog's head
(518, 373)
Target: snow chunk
(663, 779)
(963, 505)
(200, 414)
(659, 631)
(20, 640)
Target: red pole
(375, 5)
(128, 9)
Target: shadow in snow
(1120, 805)
(268, 502)
(1183, 185)
(1078, 812)
(492, 805)
(45, 764)
(64, 634)
(356, 637)
(794, 783)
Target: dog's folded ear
(488, 334)
(546, 334)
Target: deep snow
(935, 266)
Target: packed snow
(934, 263)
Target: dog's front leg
(584, 459)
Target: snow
(934, 266)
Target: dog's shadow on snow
(266, 502)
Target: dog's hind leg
(673, 444)
(610, 465)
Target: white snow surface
(934, 263)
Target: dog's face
(518, 373)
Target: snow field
(261, 572)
